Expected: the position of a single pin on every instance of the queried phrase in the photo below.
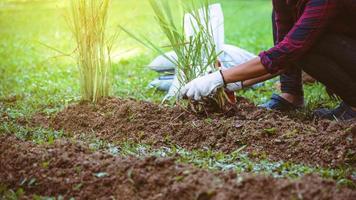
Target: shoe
(343, 113)
(278, 103)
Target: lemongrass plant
(196, 54)
(88, 22)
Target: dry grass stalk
(88, 23)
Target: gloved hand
(234, 86)
(203, 86)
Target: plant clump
(196, 52)
(88, 23)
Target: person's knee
(310, 62)
(320, 49)
(328, 42)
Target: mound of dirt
(265, 133)
(71, 170)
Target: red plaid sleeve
(297, 39)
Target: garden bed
(72, 170)
(264, 133)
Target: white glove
(234, 86)
(202, 86)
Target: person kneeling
(319, 38)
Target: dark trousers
(331, 61)
(291, 80)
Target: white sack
(233, 56)
(216, 22)
(161, 63)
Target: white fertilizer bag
(233, 56)
(162, 64)
(216, 22)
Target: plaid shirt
(301, 22)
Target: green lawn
(43, 79)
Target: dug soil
(264, 133)
(72, 170)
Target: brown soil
(72, 170)
(265, 133)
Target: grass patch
(43, 81)
(37, 135)
(237, 161)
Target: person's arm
(316, 17)
(303, 35)
(249, 70)
(206, 85)
(251, 82)
(283, 21)
(249, 73)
